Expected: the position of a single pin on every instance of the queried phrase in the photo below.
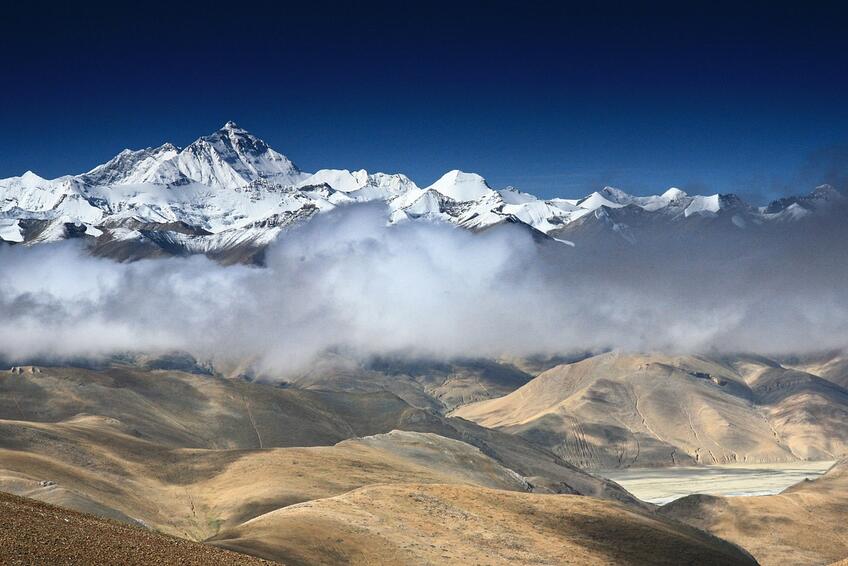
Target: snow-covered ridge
(230, 189)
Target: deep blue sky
(558, 101)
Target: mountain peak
(227, 158)
(233, 157)
(31, 177)
(132, 166)
(462, 175)
(338, 179)
(599, 199)
(826, 191)
(232, 127)
(674, 193)
(615, 195)
(461, 186)
(232, 132)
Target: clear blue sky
(710, 97)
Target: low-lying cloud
(347, 281)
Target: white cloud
(346, 280)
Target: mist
(346, 281)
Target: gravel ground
(34, 533)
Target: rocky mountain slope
(32, 532)
(228, 194)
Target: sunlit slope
(803, 525)
(190, 454)
(451, 524)
(622, 410)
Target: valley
(271, 470)
(804, 524)
(424, 284)
(664, 485)
(208, 349)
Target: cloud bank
(347, 281)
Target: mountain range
(228, 195)
(622, 410)
(331, 471)
(296, 475)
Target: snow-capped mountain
(229, 194)
(229, 158)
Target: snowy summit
(230, 191)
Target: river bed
(661, 485)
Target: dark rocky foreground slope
(32, 532)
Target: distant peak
(30, 177)
(231, 130)
(674, 193)
(615, 195)
(824, 191)
(613, 192)
(461, 186)
(602, 198)
(456, 175)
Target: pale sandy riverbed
(661, 485)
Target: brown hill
(832, 366)
(803, 525)
(616, 410)
(439, 386)
(190, 454)
(452, 524)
